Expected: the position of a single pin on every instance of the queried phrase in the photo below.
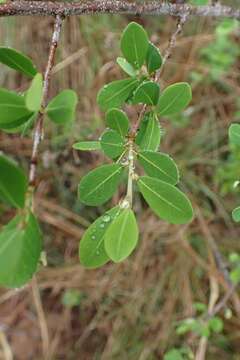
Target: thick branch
(38, 131)
(44, 8)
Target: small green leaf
(91, 248)
(126, 67)
(134, 44)
(236, 214)
(235, 275)
(62, 107)
(142, 129)
(71, 298)
(154, 58)
(200, 307)
(199, 2)
(20, 248)
(13, 111)
(174, 99)
(173, 354)
(117, 120)
(234, 257)
(112, 144)
(234, 134)
(216, 324)
(116, 93)
(165, 200)
(35, 93)
(99, 185)
(150, 134)
(160, 166)
(24, 128)
(147, 93)
(17, 61)
(13, 182)
(87, 145)
(122, 236)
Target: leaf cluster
(21, 238)
(115, 234)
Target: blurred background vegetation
(136, 309)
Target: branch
(171, 45)
(45, 8)
(38, 131)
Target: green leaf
(199, 2)
(234, 134)
(174, 99)
(150, 135)
(62, 107)
(13, 111)
(173, 354)
(91, 248)
(112, 144)
(34, 94)
(17, 61)
(122, 236)
(117, 120)
(87, 145)
(24, 128)
(126, 67)
(160, 166)
(165, 200)
(200, 307)
(147, 93)
(216, 324)
(235, 275)
(236, 214)
(99, 185)
(72, 298)
(13, 182)
(116, 93)
(134, 44)
(20, 248)
(154, 58)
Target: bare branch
(44, 8)
(38, 131)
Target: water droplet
(93, 237)
(98, 252)
(124, 204)
(106, 218)
(236, 183)
(131, 157)
(102, 225)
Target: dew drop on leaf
(124, 204)
(106, 218)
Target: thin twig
(38, 131)
(223, 302)
(7, 351)
(171, 45)
(159, 7)
(37, 137)
(214, 293)
(172, 42)
(41, 317)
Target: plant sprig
(114, 235)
